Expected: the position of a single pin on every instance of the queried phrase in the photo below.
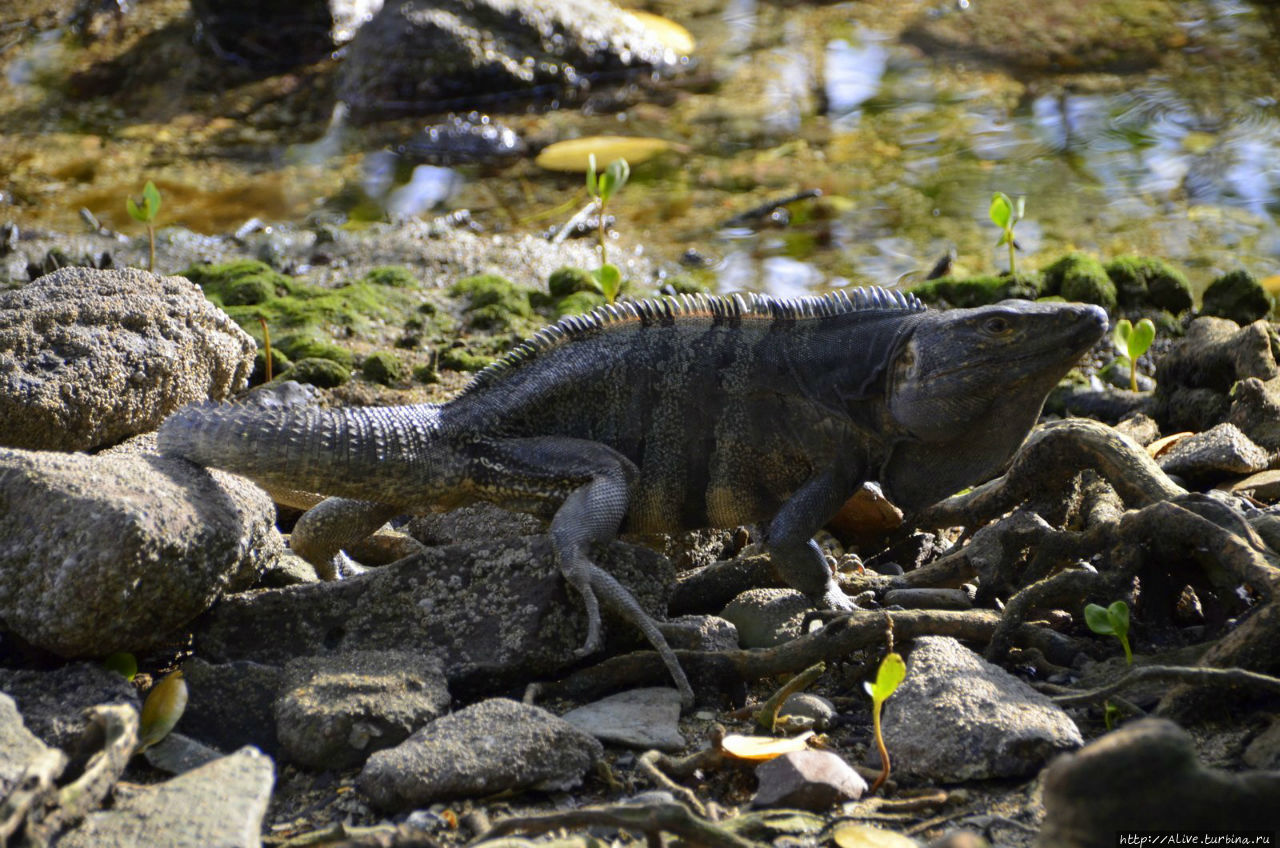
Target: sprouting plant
(266, 347)
(1133, 340)
(123, 663)
(144, 210)
(602, 188)
(1111, 621)
(165, 704)
(1005, 213)
(891, 673)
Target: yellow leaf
(162, 709)
(1161, 445)
(574, 154)
(762, 748)
(866, 836)
(671, 34)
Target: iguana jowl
(663, 415)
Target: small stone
(766, 618)
(808, 780)
(810, 706)
(701, 633)
(640, 718)
(1214, 455)
(176, 754)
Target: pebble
(808, 780)
(640, 718)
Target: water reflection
(852, 75)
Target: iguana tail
(372, 453)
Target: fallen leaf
(574, 154)
(866, 836)
(671, 34)
(760, 748)
(1161, 445)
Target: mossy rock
(978, 291)
(578, 303)
(461, 359)
(394, 276)
(1145, 280)
(324, 373)
(245, 282)
(569, 280)
(494, 302)
(1080, 277)
(299, 346)
(426, 373)
(1236, 295)
(688, 283)
(279, 364)
(386, 368)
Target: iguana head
(967, 385)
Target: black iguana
(662, 415)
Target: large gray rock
(489, 747)
(958, 717)
(18, 746)
(112, 553)
(53, 702)
(416, 55)
(230, 705)
(90, 357)
(333, 711)
(220, 804)
(495, 613)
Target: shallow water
(906, 144)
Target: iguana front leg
(789, 538)
(591, 484)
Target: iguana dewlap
(665, 415)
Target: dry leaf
(761, 748)
(574, 154)
(1161, 445)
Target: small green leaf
(1120, 334)
(1099, 620)
(123, 663)
(615, 176)
(1005, 238)
(1001, 210)
(1118, 615)
(160, 712)
(609, 279)
(1140, 338)
(891, 673)
(151, 197)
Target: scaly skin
(666, 415)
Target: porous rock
(1145, 776)
(496, 613)
(53, 702)
(18, 746)
(767, 617)
(112, 553)
(413, 56)
(333, 711)
(221, 803)
(90, 357)
(493, 746)
(957, 717)
(230, 705)
(1194, 380)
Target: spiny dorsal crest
(719, 309)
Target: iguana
(660, 415)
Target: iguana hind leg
(333, 524)
(591, 484)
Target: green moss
(978, 291)
(279, 364)
(394, 276)
(691, 282)
(1142, 280)
(1236, 295)
(386, 368)
(578, 303)
(1080, 277)
(324, 373)
(569, 280)
(246, 282)
(461, 359)
(494, 302)
(310, 345)
(426, 373)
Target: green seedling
(123, 663)
(144, 210)
(1111, 621)
(602, 188)
(1133, 340)
(1005, 214)
(891, 673)
(165, 704)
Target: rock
(177, 754)
(276, 35)
(1236, 296)
(496, 613)
(701, 633)
(641, 718)
(333, 711)
(493, 746)
(1144, 776)
(89, 357)
(810, 706)
(413, 57)
(1264, 751)
(1264, 486)
(808, 780)
(114, 552)
(1054, 37)
(767, 617)
(18, 746)
(1143, 429)
(481, 522)
(53, 702)
(1078, 276)
(1148, 281)
(1194, 379)
(949, 599)
(957, 717)
(1255, 409)
(230, 705)
(1214, 455)
(221, 803)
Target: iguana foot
(834, 598)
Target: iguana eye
(996, 325)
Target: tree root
(1217, 677)
(651, 819)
